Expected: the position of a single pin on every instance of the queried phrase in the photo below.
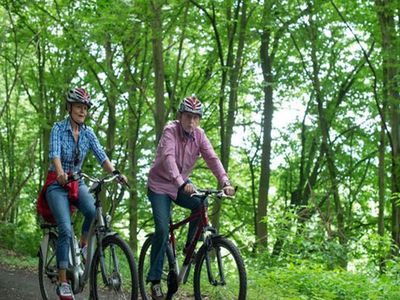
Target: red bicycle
(219, 271)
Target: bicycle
(219, 268)
(109, 264)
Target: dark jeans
(161, 206)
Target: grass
(305, 282)
(12, 259)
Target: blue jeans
(161, 206)
(57, 198)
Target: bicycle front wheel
(48, 273)
(219, 272)
(114, 274)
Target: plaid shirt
(71, 154)
(176, 156)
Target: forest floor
(21, 283)
(18, 283)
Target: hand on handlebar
(229, 190)
(121, 179)
(62, 179)
(189, 188)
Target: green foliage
(22, 238)
(46, 47)
(13, 259)
(309, 281)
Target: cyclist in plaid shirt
(70, 141)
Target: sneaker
(65, 292)
(156, 292)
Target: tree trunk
(381, 193)
(386, 16)
(135, 105)
(112, 96)
(268, 108)
(323, 118)
(234, 64)
(158, 65)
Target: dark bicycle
(110, 265)
(219, 271)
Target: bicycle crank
(172, 282)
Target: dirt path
(18, 283)
(23, 284)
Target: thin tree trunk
(390, 57)
(381, 199)
(268, 108)
(158, 65)
(112, 96)
(327, 148)
(135, 104)
(234, 64)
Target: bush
(314, 282)
(21, 238)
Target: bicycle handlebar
(207, 192)
(105, 179)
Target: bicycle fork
(220, 280)
(220, 274)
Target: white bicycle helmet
(79, 95)
(191, 104)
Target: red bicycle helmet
(191, 104)
(79, 95)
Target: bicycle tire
(144, 266)
(234, 284)
(47, 270)
(121, 283)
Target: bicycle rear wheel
(144, 267)
(48, 272)
(219, 271)
(120, 274)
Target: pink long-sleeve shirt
(176, 156)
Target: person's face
(189, 121)
(79, 112)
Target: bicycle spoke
(144, 267)
(118, 270)
(48, 273)
(219, 272)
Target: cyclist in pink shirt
(181, 144)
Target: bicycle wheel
(219, 271)
(48, 272)
(119, 280)
(144, 267)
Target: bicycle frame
(202, 214)
(218, 266)
(99, 229)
